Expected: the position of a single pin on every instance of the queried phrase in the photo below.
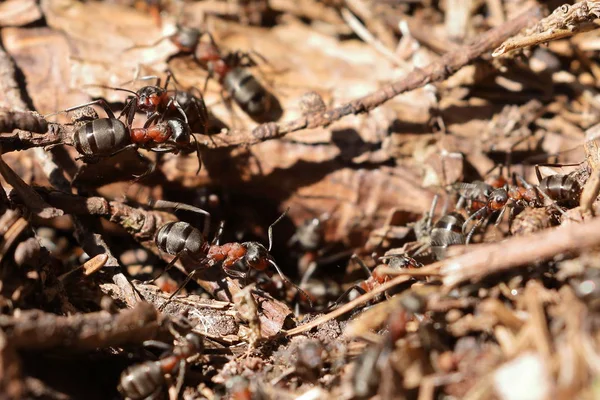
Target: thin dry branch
(11, 93)
(483, 261)
(488, 259)
(36, 330)
(11, 120)
(564, 22)
(434, 72)
(141, 223)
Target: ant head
(498, 199)
(180, 131)
(187, 38)
(183, 98)
(195, 340)
(149, 98)
(257, 256)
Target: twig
(32, 122)
(37, 330)
(10, 370)
(141, 223)
(434, 72)
(483, 261)
(564, 22)
(11, 93)
(488, 259)
(346, 307)
(28, 196)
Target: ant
(446, 232)
(229, 69)
(154, 100)
(181, 239)
(376, 277)
(146, 380)
(231, 72)
(106, 137)
(561, 189)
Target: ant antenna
(113, 88)
(432, 210)
(162, 204)
(271, 228)
(360, 262)
(286, 279)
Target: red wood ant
(105, 137)
(146, 380)
(231, 72)
(154, 100)
(376, 277)
(562, 189)
(229, 69)
(181, 239)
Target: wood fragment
(564, 22)
(36, 330)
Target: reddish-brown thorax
(229, 253)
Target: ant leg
(472, 231)
(146, 46)
(431, 212)
(122, 149)
(217, 239)
(270, 230)
(501, 215)
(360, 262)
(175, 293)
(175, 103)
(148, 171)
(168, 267)
(538, 174)
(131, 110)
(201, 109)
(197, 153)
(312, 267)
(165, 204)
(287, 280)
(157, 344)
(151, 120)
(552, 201)
(100, 102)
(234, 274)
(343, 296)
(208, 76)
(460, 203)
(472, 217)
(180, 377)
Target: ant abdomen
(101, 137)
(246, 91)
(447, 232)
(564, 189)
(175, 237)
(142, 380)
